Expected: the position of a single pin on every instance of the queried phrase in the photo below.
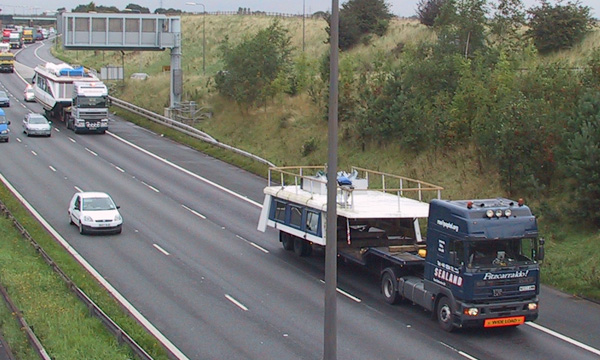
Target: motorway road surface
(192, 262)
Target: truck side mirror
(540, 256)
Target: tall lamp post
(203, 33)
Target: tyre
(301, 247)
(389, 287)
(81, 229)
(444, 314)
(286, 241)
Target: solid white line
(467, 355)
(237, 303)
(150, 186)
(161, 249)
(52, 168)
(254, 244)
(194, 212)
(564, 338)
(120, 298)
(352, 297)
(91, 152)
(186, 170)
(462, 353)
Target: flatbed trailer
(378, 228)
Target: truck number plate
(509, 321)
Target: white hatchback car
(95, 212)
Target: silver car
(37, 124)
(4, 100)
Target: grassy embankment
(279, 131)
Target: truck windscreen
(499, 253)
(91, 102)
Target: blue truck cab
(4, 130)
(482, 263)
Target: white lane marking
(34, 153)
(186, 170)
(564, 338)
(194, 212)
(462, 353)
(348, 295)
(52, 168)
(72, 140)
(118, 168)
(78, 189)
(237, 303)
(91, 152)
(254, 244)
(161, 249)
(19, 140)
(151, 187)
(120, 298)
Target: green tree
(558, 27)
(461, 26)
(584, 157)
(507, 23)
(359, 18)
(252, 66)
(428, 11)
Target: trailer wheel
(301, 247)
(444, 314)
(286, 241)
(389, 287)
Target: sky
(403, 8)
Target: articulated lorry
(73, 95)
(7, 59)
(477, 266)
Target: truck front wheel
(389, 287)
(444, 314)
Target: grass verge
(60, 321)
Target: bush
(558, 27)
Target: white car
(28, 94)
(95, 212)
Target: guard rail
(184, 128)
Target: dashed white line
(564, 338)
(19, 140)
(151, 187)
(52, 168)
(237, 303)
(118, 168)
(161, 249)
(254, 244)
(72, 140)
(351, 297)
(194, 212)
(91, 152)
(78, 189)
(34, 153)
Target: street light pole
(203, 33)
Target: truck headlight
(532, 306)
(471, 311)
